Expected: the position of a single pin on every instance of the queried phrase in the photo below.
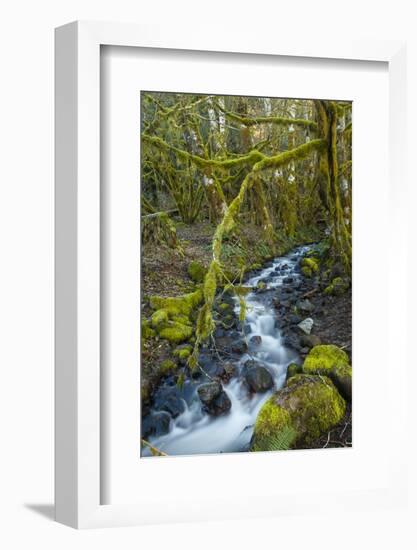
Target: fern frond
(281, 441)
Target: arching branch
(252, 121)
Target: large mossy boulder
(309, 404)
(329, 360)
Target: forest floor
(165, 270)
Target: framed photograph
(227, 321)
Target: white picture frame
(78, 426)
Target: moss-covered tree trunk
(328, 175)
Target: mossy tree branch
(205, 323)
(253, 121)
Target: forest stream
(193, 430)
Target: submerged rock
(310, 405)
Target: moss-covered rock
(146, 331)
(323, 359)
(306, 271)
(159, 318)
(311, 405)
(197, 271)
(342, 378)
(337, 287)
(293, 369)
(183, 305)
(172, 316)
(310, 263)
(270, 420)
(176, 332)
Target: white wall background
(26, 269)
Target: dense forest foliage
(279, 168)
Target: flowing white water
(194, 431)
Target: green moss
(322, 359)
(146, 330)
(224, 306)
(270, 420)
(341, 376)
(311, 263)
(183, 352)
(315, 405)
(337, 287)
(159, 318)
(310, 405)
(255, 266)
(293, 369)
(197, 272)
(182, 319)
(167, 367)
(306, 271)
(176, 332)
(179, 304)
(343, 370)
(238, 290)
